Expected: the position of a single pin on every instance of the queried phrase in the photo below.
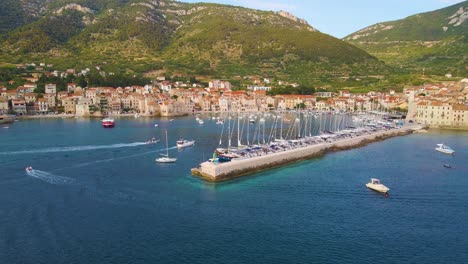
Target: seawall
(216, 172)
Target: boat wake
(75, 148)
(114, 159)
(49, 177)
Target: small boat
(375, 185)
(226, 157)
(251, 120)
(29, 168)
(152, 141)
(108, 122)
(170, 120)
(165, 157)
(182, 143)
(444, 149)
(137, 115)
(220, 122)
(156, 125)
(447, 166)
(200, 121)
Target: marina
(292, 151)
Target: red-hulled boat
(108, 122)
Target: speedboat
(375, 185)
(182, 143)
(108, 122)
(444, 149)
(152, 141)
(28, 169)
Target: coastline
(212, 172)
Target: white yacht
(444, 149)
(375, 185)
(165, 157)
(182, 143)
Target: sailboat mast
(238, 131)
(167, 146)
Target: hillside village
(444, 104)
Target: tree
(81, 81)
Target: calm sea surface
(97, 196)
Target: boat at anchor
(444, 149)
(377, 186)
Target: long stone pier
(216, 172)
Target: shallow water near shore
(98, 197)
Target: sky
(340, 18)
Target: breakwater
(216, 172)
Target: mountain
(435, 41)
(169, 36)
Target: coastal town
(442, 104)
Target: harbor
(308, 148)
(86, 175)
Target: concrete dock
(216, 172)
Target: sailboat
(165, 157)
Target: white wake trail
(50, 178)
(75, 148)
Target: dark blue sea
(97, 196)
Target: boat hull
(445, 151)
(185, 144)
(378, 187)
(166, 160)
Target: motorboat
(444, 149)
(152, 141)
(182, 143)
(108, 122)
(448, 166)
(137, 115)
(376, 185)
(200, 121)
(156, 125)
(165, 157)
(28, 169)
(220, 122)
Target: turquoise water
(97, 196)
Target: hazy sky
(342, 17)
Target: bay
(97, 196)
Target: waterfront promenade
(215, 172)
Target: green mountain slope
(435, 41)
(197, 39)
